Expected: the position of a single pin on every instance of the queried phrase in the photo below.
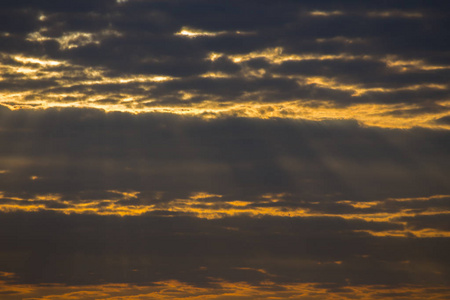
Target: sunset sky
(224, 149)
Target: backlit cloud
(224, 149)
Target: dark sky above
(206, 149)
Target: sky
(224, 149)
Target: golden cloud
(76, 86)
(173, 289)
(212, 206)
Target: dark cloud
(443, 120)
(110, 248)
(439, 221)
(75, 150)
(57, 6)
(270, 144)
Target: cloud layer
(384, 65)
(243, 205)
(224, 149)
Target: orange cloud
(68, 78)
(211, 206)
(172, 289)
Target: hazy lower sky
(208, 149)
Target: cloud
(348, 56)
(444, 120)
(224, 149)
(72, 40)
(91, 149)
(173, 288)
(146, 250)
